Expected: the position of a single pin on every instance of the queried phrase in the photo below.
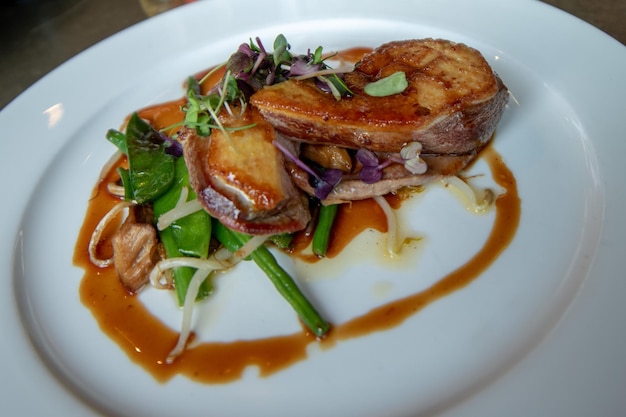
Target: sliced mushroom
(135, 250)
(327, 156)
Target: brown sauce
(147, 341)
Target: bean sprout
(392, 226)
(96, 236)
(469, 195)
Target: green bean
(321, 236)
(281, 279)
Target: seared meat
(240, 177)
(452, 104)
(394, 177)
(136, 248)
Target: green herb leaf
(340, 85)
(151, 169)
(396, 83)
(281, 50)
(317, 56)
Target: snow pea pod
(188, 236)
(150, 168)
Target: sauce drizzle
(147, 341)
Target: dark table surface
(36, 36)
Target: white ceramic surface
(540, 333)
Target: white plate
(540, 333)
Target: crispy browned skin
(452, 104)
(241, 180)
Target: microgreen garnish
(372, 170)
(410, 153)
(249, 69)
(409, 156)
(323, 182)
(395, 83)
(281, 51)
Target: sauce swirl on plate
(147, 341)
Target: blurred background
(38, 35)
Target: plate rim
(14, 108)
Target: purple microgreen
(302, 65)
(323, 84)
(250, 68)
(294, 158)
(333, 84)
(370, 173)
(367, 158)
(240, 65)
(322, 183)
(172, 147)
(245, 49)
(259, 61)
(325, 182)
(372, 170)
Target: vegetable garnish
(96, 236)
(409, 156)
(395, 83)
(323, 182)
(321, 236)
(201, 270)
(184, 229)
(251, 68)
(189, 243)
(283, 282)
(151, 167)
(478, 201)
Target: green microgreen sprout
(395, 83)
(249, 69)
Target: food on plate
(240, 177)
(271, 148)
(446, 111)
